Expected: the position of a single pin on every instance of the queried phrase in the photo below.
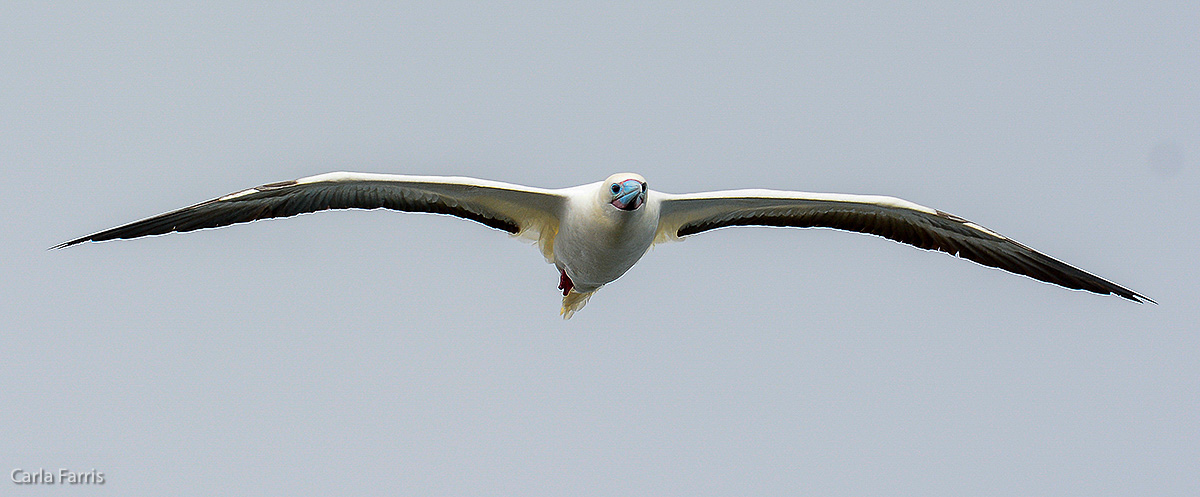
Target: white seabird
(594, 233)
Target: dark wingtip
(1141, 299)
(1130, 295)
(76, 241)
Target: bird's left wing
(519, 210)
(889, 217)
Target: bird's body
(596, 243)
(594, 233)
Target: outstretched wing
(889, 217)
(512, 208)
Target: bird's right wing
(519, 210)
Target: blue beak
(631, 195)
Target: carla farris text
(62, 477)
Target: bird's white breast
(597, 242)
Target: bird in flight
(594, 233)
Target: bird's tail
(574, 301)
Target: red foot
(564, 282)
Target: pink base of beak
(637, 202)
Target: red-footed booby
(594, 233)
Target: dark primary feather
(941, 231)
(290, 198)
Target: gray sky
(388, 353)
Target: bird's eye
(616, 188)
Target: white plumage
(594, 233)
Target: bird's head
(626, 191)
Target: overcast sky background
(401, 354)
